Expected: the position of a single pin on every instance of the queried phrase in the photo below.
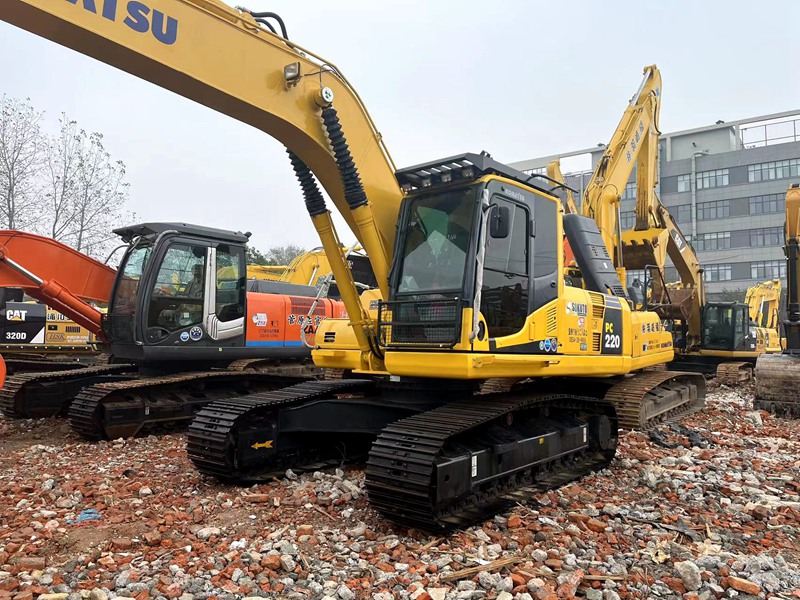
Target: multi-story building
(725, 185)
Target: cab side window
(231, 275)
(504, 296)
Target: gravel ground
(707, 509)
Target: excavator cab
(727, 326)
(442, 230)
(180, 288)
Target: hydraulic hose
(321, 218)
(271, 15)
(315, 203)
(356, 199)
(353, 188)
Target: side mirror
(499, 221)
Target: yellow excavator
(310, 267)
(763, 300)
(478, 376)
(777, 380)
(36, 337)
(709, 337)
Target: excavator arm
(225, 59)
(633, 144)
(763, 300)
(655, 235)
(56, 275)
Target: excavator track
(37, 395)
(232, 439)
(650, 398)
(464, 461)
(778, 385)
(269, 365)
(17, 364)
(733, 373)
(123, 408)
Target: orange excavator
(184, 325)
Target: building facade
(725, 185)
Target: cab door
(177, 302)
(225, 292)
(505, 290)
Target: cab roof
(463, 168)
(146, 229)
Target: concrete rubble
(132, 519)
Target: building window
(684, 183)
(771, 203)
(684, 213)
(537, 171)
(630, 191)
(767, 236)
(627, 219)
(712, 179)
(712, 241)
(719, 272)
(718, 209)
(768, 269)
(780, 169)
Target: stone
(437, 593)
(207, 532)
(98, 594)
(287, 562)
(504, 596)
(466, 585)
(61, 596)
(29, 563)
(593, 594)
(345, 593)
(122, 580)
(689, 574)
(539, 555)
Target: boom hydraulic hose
(355, 196)
(321, 218)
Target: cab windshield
(436, 241)
(725, 326)
(128, 285)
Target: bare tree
(283, 255)
(63, 158)
(20, 161)
(87, 207)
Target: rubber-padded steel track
(123, 408)
(47, 394)
(778, 385)
(401, 469)
(733, 373)
(652, 397)
(18, 366)
(214, 434)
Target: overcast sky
(518, 79)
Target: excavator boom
(221, 57)
(56, 275)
